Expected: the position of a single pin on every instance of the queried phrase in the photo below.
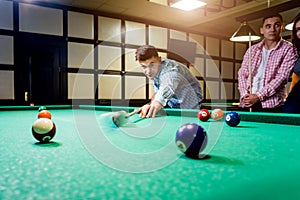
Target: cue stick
(134, 112)
(30, 78)
(250, 66)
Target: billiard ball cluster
(216, 114)
(43, 129)
(231, 118)
(191, 138)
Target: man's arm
(295, 79)
(281, 77)
(243, 76)
(169, 83)
(145, 109)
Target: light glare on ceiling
(188, 5)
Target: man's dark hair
(271, 16)
(145, 52)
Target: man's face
(151, 66)
(271, 29)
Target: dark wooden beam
(274, 9)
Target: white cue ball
(119, 118)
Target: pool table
(90, 158)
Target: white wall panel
(80, 25)
(38, 19)
(7, 85)
(109, 87)
(80, 55)
(158, 37)
(6, 50)
(135, 33)
(135, 87)
(6, 15)
(212, 46)
(80, 86)
(109, 57)
(109, 29)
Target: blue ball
(232, 118)
(191, 139)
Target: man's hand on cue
(150, 110)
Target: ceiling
(218, 17)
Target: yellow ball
(217, 114)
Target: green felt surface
(89, 158)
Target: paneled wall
(6, 51)
(100, 53)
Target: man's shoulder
(168, 64)
(167, 61)
(286, 44)
(289, 49)
(258, 45)
(281, 43)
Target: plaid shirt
(176, 86)
(279, 65)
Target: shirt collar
(261, 44)
(156, 78)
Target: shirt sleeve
(243, 76)
(281, 76)
(169, 83)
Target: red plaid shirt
(279, 65)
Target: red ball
(43, 129)
(203, 115)
(44, 114)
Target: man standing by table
(272, 60)
(174, 85)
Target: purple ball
(191, 139)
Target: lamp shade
(244, 34)
(289, 26)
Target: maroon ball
(43, 129)
(204, 115)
